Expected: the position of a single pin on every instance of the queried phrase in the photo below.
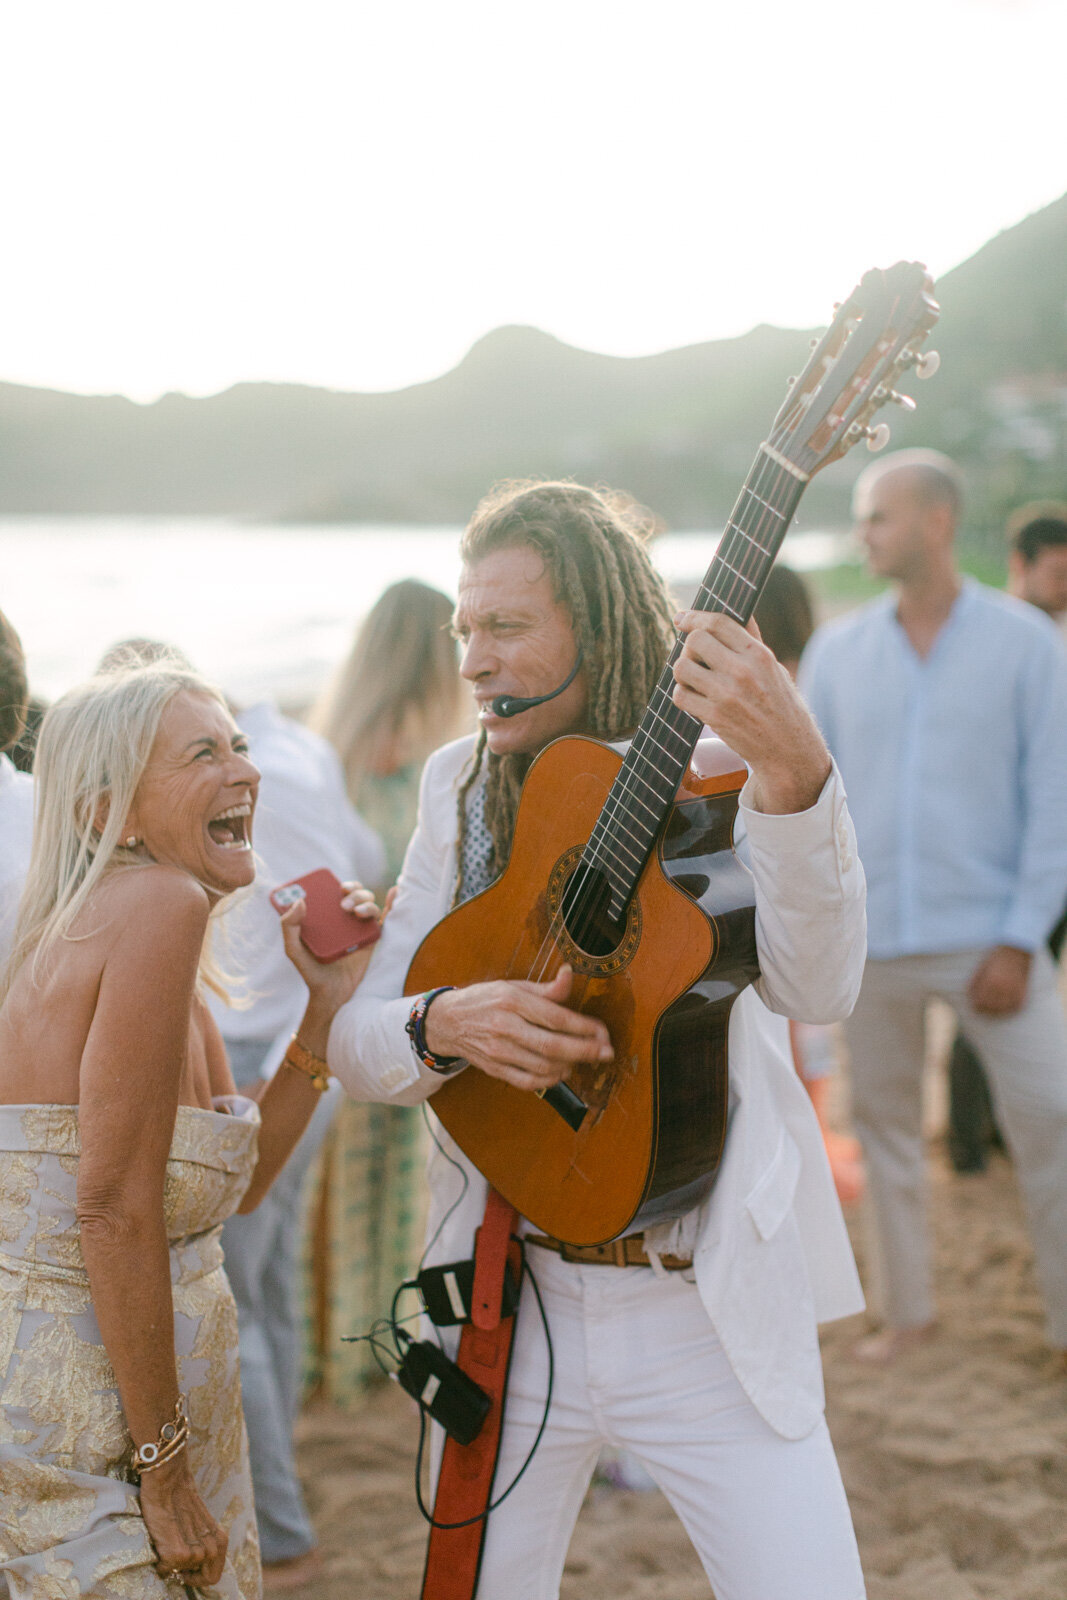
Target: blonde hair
(93, 748)
(594, 546)
(400, 681)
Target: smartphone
(327, 931)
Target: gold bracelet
(301, 1059)
(173, 1437)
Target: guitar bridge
(571, 1107)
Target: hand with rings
(189, 1543)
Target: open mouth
(230, 830)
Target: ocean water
(262, 610)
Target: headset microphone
(511, 705)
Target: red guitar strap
(465, 1484)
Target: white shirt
(771, 1254)
(16, 836)
(303, 821)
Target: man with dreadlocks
(699, 1356)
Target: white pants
(1026, 1059)
(638, 1366)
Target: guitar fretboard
(659, 754)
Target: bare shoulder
(151, 906)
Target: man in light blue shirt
(944, 704)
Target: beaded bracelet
(415, 1027)
(173, 1437)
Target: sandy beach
(955, 1459)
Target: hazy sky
(349, 194)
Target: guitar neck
(644, 791)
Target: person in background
(1037, 557)
(16, 788)
(21, 753)
(786, 621)
(944, 704)
(397, 697)
(1037, 573)
(124, 1144)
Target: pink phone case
(327, 931)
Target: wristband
(415, 1028)
(301, 1059)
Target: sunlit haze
(350, 195)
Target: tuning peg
(903, 400)
(927, 364)
(877, 437)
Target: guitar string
(665, 714)
(754, 553)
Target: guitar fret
(643, 733)
(636, 798)
(664, 721)
(733, 527)
(615, 825)
(615, 806)
(595, 857)
(639, 829)
(723, 562)
(638, 859)
(690, 724)
(660, 792)
(618, 880)
(781, 515)
(633, 772)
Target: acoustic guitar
(622, 864)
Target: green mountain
(677, 429)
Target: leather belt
(627, 1252)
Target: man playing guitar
(693, 1345)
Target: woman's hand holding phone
(314, 920)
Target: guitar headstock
(875, 337)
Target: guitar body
(651, 1138)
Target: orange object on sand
(843, 1152)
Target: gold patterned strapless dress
(70, 1516)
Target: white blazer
(772, 1257)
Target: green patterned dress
(368, 1203)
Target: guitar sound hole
(586, 913)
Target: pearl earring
(131, 841)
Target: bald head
(927, 476)
(906, 509)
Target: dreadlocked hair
(593, 542)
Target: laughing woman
(123, 1147)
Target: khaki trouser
(1026, 1059)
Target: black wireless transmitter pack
(442, 1390)
(448, 1291)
